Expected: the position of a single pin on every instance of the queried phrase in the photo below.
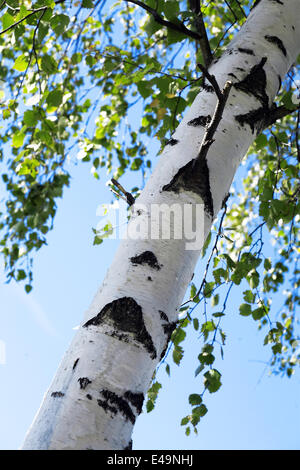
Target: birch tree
(236, 92)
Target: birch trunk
(100, 385)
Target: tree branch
(212, 80)
(278, 112)
(200, 26)
(33, 12)
(179, 27)
(212, 127)
(129, 197)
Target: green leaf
(59, 23)
(87, 4)
(249, 296)
(208, 326)
(261, 141)
(178, 336)
(21, 275)
(177, 354)
(200, 411)
(245, 310)
(136, 164)
(206, 357)
(54, 98)
(31, 118)
(42, 31)
(21, 63)
(212, 380)
(193, 290)
(254, 280)
(195, 399)
(184, 421)
(208, 289)
(18, 139)
(152, 396)
(7, 20)
(258, 313)
(97, 240)
(149, 406)
(267, 264)
(48, 64)
(196, 323)
(206, 244)
(215, 300)
(218, 314)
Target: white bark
(99, 388)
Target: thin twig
(200, 26)
(33, 12)
(212, 127)
(179, 27)
(129, 197)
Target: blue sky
(250, 411)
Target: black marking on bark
(255, 119)
(129, 446)
(200, 121)
(208, 88)
(149, 278)
(136, 399)
(168, 328)
(118, 403)
(163, 316)
(107, 407)
(280, 81)
(275, 40)
(84, 382)
(172, 142)
(255, 83)
(125, 315)
(246, 51)
(232, 75)
(194, 177)
(89, 397)
(241, 69)
(57, 394)
(75, 363)
(120, 336)
(147, 257)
